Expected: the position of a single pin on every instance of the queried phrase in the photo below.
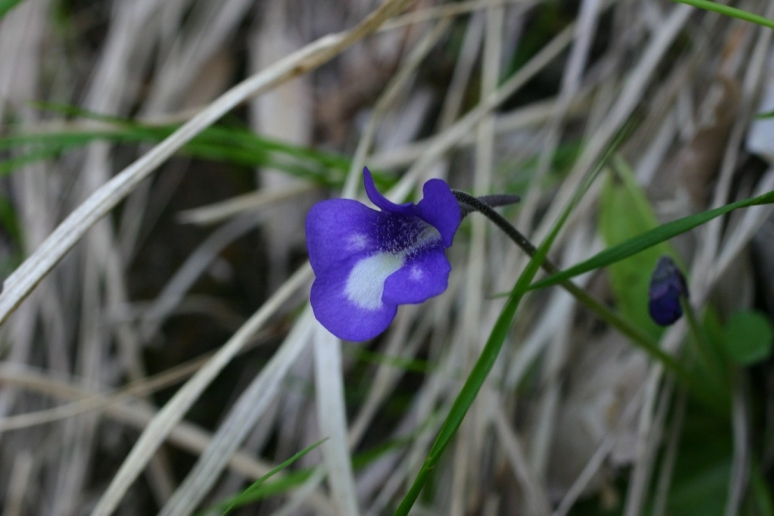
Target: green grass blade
(246, 497)
(648, 239)
(224, 143)
(295, 479)
(10, 165)
(288, 482)
(68, 139)
(77, 112)
(729, 11)
(493, 346)
(474, 381)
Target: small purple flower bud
(667, 285)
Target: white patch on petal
(357, 242)
(365, 283)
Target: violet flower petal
(424, 276)
(337, 229)
(347, 297)
(381, 201)
(440, 209)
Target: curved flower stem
(595, 305)
(481, 205)
(493, 201)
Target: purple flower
(667, 285)
(368, 262)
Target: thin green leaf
(729, 11)
(228, 137)
(74, 138)
(49, 145)
(624, 210)
(224, 143)
(649, 239)
(297, 478)
(475, 380)
(491, 350)
(288, 482)
(246, 496)
(77, 112)
(10, 165)
(231, 145)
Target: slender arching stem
(613, 318)
(481, 205)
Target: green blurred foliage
(748, 337)
(624, 211)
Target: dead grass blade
(21, 282)
(332, 415)
(240, 420)
(175, 409)
(186, 435)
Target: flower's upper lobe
(368, 262)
